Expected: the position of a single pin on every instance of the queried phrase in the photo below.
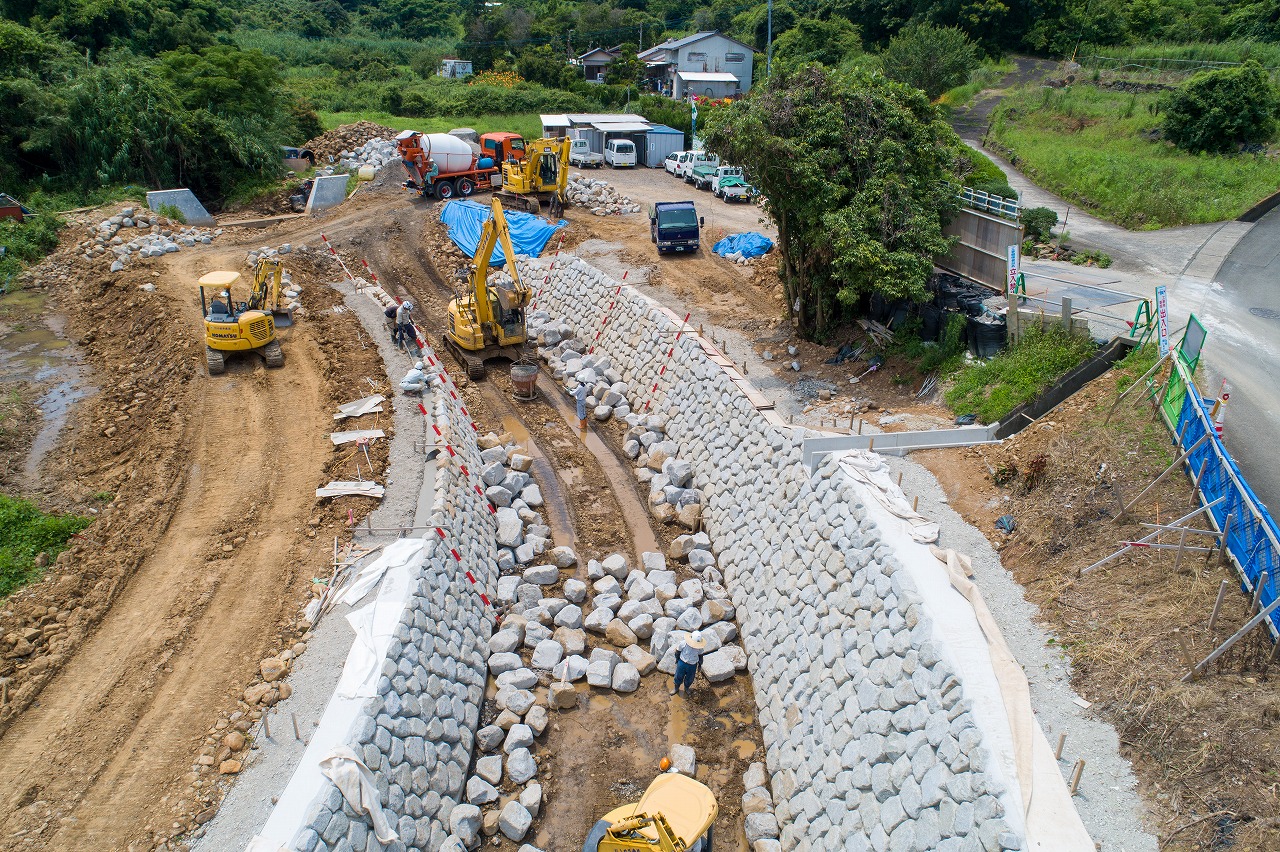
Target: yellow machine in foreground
(248, 326)
(488, 322)
(541, 176)
(674, 815)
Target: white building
(454, 69)
(709, 64)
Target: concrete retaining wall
(869, 739)
(418, 734)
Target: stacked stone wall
(418, 734)
(869, 739)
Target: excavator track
(216, 360)
(473, 362)
(273, 354)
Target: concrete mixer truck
(443, 166)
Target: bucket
(523, 377)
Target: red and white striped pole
(338, 257)
(608, 314)
(670, 352)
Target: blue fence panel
(1253, 537)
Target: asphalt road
(1240, 309)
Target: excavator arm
(495, 230)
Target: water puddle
(745, 748)
(33, 349)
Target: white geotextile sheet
(373, 635)
(869, 470)
(1050, 822)
(375, 623)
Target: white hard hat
(408, 306)
(417, 365)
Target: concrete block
(328, 191)
(185, 200)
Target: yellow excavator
(232, 326)
(541, 175)
(488, 321)
(675, 814)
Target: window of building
(734, 57)
(697, 57)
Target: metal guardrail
(978, 200)
(812, 450)
(1252, 537)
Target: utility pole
(768, 56)
(641, 49)
(568, 46)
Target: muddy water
(619, 476)
(35, 351)
(554, 507)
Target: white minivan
(619, 153)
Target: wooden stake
(266, 725)
(871, 444)
(1076, 772)
(1057, 752)
(899, 479)
(915, 502)
(1185, 647)
(1257, 591)
(1145, 376)
(4, 691)
(1217, 605)
(859, 425)
(1182, 543)
(1168, 470)
(1236, 637)
(297, 734)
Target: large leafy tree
(1215, 111)
(933, 59)
(827, 42)
(857, 172)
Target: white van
(619, 153)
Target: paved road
(1240, 308)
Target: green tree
(626, 69)
(856, 170)
(224, 79)
(1215, 111)
(827, 42)
(933, 59)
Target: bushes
(1039, 222)
(933, 59)
(25, 532)
(432, 98)
(26, 242)
(1018, 374)
(1215, 111)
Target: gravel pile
(376, 152)
(596, 194)
(572, 363)
(141, 233)
(329, 145)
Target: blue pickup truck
(674, 226)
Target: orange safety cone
(1218, 413)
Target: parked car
(696, 159)
(675, 226)
(672, 161)
(620, 153)
(706, 177)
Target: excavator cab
(488, 321)
(675, 814)
(232, 327)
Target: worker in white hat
(688, 661)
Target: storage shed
(660, 141)
(11, 209)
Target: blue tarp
(465, 219)
(750, 244)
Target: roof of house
(662, 128)
(621, 126)
(706, 77)
(600, 53)
(578, 119)
(675, 43)
(551, 120)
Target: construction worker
(415, 381)
(404, 334)
(688, 661)
(429, 176)
(580, 394)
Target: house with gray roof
(710, 64)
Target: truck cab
(581, 155)
(696, 159)
(675, 226)
(619, 153)
(502, 146)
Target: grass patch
(26, 532)
(528, 125)
(1018, 374)
(945, 356)
(1186, 58)
(25, 243)
(984, 170)
(1092, 146)
(985, 76)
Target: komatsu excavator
(675, 814)
(488, 322)
(249, 326)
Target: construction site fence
(1252, 537)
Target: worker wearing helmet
(415, 381)
(429, 176)
(406, 336)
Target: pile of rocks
(759, 821)
(146, 235)
(329, 145)
(523, 534)
(376, 152)
(596, 194)
(672, 497)
(571, 363)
